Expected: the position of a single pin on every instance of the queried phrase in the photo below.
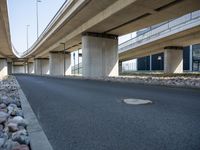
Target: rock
(4, 110)
(12, 105)
(10, 109)
(2, 106)
(3, 135)
(2, 142)
(1, 127)
(21, 147)
(22, 139)
(19, 112)
(15, 101)
(19, 121)
(13, 127)
(20, 132)
(3, 116)
(5, 99)
(9, 145)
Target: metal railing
(163, 30)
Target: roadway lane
(89, 115)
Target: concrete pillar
(173, 60)
(60, 63)
(56, 63)
(3, 67)
(41, 66)
(99, 55)
(26, 68)
(30, 67)
(10, 68)
(18, 69)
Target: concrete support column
(3, 67)
(18, 69)
(41, 66)
(26, 68)
(173, 59)
(99, 55)
(60, 63)
(10, 68)
(30, 67)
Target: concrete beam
(100, 55)
(173, 60)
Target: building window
(196, 57)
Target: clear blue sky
(23, 12)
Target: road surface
(90, 115)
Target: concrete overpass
(95, 26)
(173, 35)
(6, 53)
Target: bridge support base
(100, 55)
(41, 66)
(173, 60)
(60, 64)
(3, 67)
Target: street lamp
(27, 26)
(64, 57)
(78, 62)
(74, 61)
(37, 1)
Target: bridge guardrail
(164, 29)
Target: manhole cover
(133, 101)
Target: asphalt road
(90, 115)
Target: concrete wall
(100, 56)
(173, 61)
(3, 67)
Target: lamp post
(37, 1)
(64, 57)
(78, 61)
(27, 26)
(74, 62)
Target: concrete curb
(38, 138)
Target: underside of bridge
(94, 26)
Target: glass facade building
(191, 60)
